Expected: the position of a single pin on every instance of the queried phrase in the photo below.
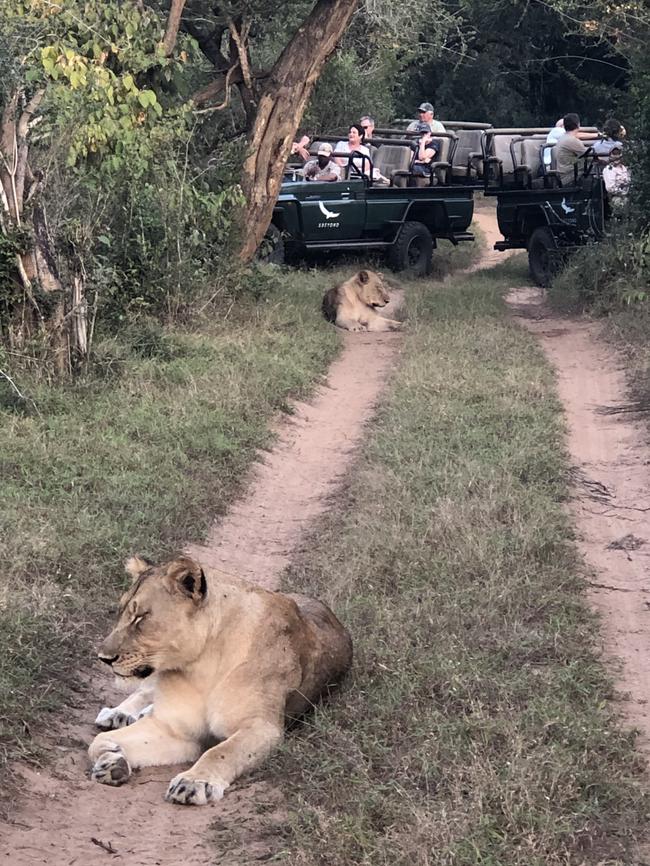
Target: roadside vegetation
(141, 454)
(478, 725)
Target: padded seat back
(445, 148)
(469, 141)
(531, 154)
(501, 150)
(392, 157)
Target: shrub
(606, 276)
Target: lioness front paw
(193, 792)
(112, 718)
(111, 768)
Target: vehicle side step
(352, 245)
(509, 245)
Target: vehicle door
(333, 211)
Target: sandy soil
(611, 492)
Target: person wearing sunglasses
(368, 124)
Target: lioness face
(158, 627)
(372, 289)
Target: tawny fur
(230, 663)
(352, 304)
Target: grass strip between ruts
(477, 725)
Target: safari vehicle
(535, 210)
(361, 213)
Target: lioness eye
(136, 622)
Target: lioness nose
(108, 660)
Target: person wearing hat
(323, 167)
(426, 150)
(425, 115)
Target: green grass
(478, 726)
(141, 456)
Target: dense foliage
(134, 143)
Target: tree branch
(209, 44)
(240, 39)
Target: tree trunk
(173, 23)
(17, 186)
(280, 110)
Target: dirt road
(611, 494)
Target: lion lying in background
(351, 305)
(222, 661)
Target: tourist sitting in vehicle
(569, 149)
(425, 115)
(354, 144)
(299, 148)
(368, 125)
(426, 150)
(614, 132)
(616, 178)
(323, 167)
(552, 138)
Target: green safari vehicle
(536, 210)
(360, 213)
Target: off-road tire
(544, 259)
(271, 251)
(412, 252)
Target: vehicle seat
(500, 155)
(530, 153)
(468, 160)
(393, 161)
(551, 176)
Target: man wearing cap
(425, 115)
(323, 167)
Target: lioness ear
(363, 276)
(188, 578)
(135, 565)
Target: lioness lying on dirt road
(351, 305)
(223, 661)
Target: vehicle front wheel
(543, 256)
(271, 251)
(413, 250)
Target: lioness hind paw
(193, 792)
(111, 768)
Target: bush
(606, 276)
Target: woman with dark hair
(614, 132)
(354, 144)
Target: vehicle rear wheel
(413, 250)
(543, 256)
(271, 251)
